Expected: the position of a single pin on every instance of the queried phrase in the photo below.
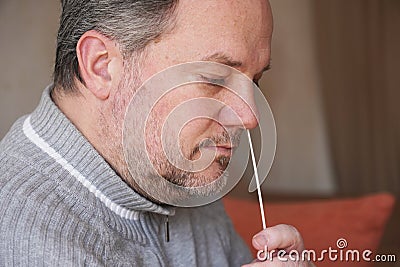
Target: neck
(77, 108)
(93, 124)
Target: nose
(239, 108)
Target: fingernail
(260, 240)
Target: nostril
(251, 120)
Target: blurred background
(333, 88)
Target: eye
(213, 80)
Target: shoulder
(40, 224)
(37, 213)
(17, 152)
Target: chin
(210, 175)
(210, 186)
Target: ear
(100, 63)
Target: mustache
(227, 137)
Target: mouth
(222, 146)
(221, 150)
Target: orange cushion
(361, 221)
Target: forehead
(227, 13)
(240, 28)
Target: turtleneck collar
(50, 130)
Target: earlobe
(95, 52)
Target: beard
(182, 175)
(194, 176)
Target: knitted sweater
(62, 205)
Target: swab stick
(257, 180)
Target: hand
(279, 241)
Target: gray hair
(132, 23)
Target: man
(69, 195)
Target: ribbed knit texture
(63, 205)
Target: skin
(238, 30)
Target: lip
(222, 150)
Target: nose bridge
(239, 100)
(247, 94)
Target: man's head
(109, 63)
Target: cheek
(154, 127)
(185, 137)
(116, 114)
(174, 122)
(194, 132)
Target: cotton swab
(257, 180)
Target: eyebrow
(227, 60)
(223, 59)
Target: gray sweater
(62, 205)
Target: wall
(28, 32)
(302, 163)
(27, 41)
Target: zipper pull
(166, 224)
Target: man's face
(236, 33)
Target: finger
(281, 236)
